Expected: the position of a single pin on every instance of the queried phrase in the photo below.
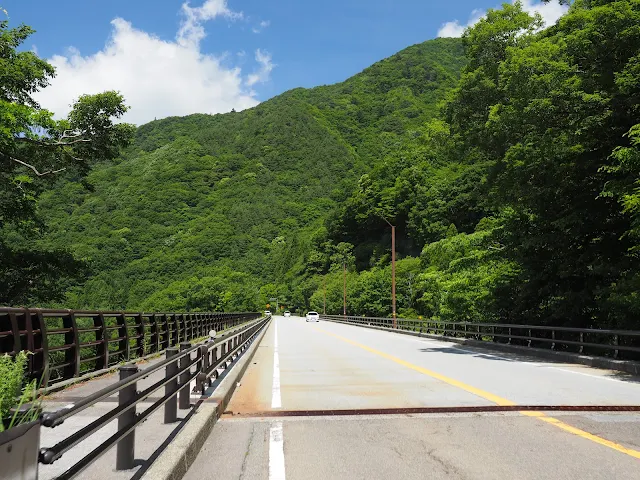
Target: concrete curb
(176, 459)
(627, 366)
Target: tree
(35, 149)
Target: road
(314, 370)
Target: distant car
(287, 313)
(267, 313)
(313, 317)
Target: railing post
(123, 333)
(176, 329)
(616, 342)
(41, 341)
(72, 355)
(509, 342)
(213, 360)
(171, 388)
(125, 454)
(581, 342)
(102, 336)
(184, 400)
(166, 338)
(201, 379)
(553, 337)
(140, 333)
(529, 340)
(223, 349)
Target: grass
(14, 392)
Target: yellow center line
(491, 397)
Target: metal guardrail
(199, 362)
(67, 344)
(613, 343)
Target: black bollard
(184, 400)
(125, 454)
(171, 407)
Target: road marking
(493, 398)
(601, 377)
(276, 399)
(527, 364)
(581, 433)
(493, 355)
(276, 452)
(476, 391)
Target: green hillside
(220, 212)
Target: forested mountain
(218, 212)
(521, 199)
(508, 160)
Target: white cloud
(191, 31)
(455, 29)
(550, 13)
(158, 78)
(263, 24)
(266, 65)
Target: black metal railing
(598, 342)
(191, 362)
(68, 344)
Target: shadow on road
(514, 357)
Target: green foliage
(11, 376)
(200, 211)
(35, 150)
(13, 390)
(523, 197)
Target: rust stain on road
(438, 410)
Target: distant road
(315, 369)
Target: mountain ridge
(200, 196)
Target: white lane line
(276, 452)
(276, 400)
(601, 377)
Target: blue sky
(214, 55)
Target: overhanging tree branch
(54, 144)
(35, 170)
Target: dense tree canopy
(34, 149)
(526, 212)
(196, 198)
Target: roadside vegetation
(16, 391)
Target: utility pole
(344, 270)
(324, 289)
(393, 271)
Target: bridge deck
(329, 366)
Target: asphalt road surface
(313, 405)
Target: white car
(267, 313)
(313, 317)
(287, 313)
